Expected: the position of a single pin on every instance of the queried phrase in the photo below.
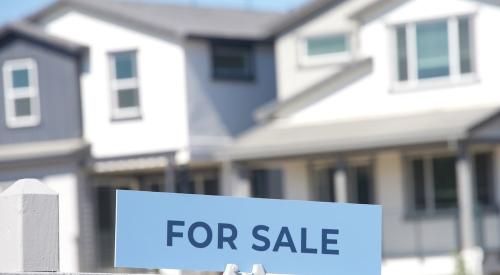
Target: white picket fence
(29, 231)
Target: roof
(41, 150)
(303, 14)
(277, 140)
(30, 31)
(336, 80)
(181, 20)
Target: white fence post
(29, 228)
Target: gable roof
(303, 14)
(179, 20)
(29, 31)
(375, 7)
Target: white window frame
(122, 84)
(341, 57)
(455, 77)
(11, 94)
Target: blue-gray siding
(225, 108)
(58, 76)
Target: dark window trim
(249, 45)
(352, 183)
(412, 213)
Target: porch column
(472, 254)
(170, 174)
(466, 199)
(235, 179)
(340, 180)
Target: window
(483, 167)
(21, 93)
(324, 49)
(324, 178)
(233, 61)
(360, 184)
(433, 49)
(266, 183)
(434, 183)
(124, 85)
(202, 182)
(327, 45)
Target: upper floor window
(439, 49)
(324, 49)
(125, 85)
(233, 61)
(327, 45)
(22, 107)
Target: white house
(393, 102)
(160, 88)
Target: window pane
(20, 78)
(484, 178)
(364, 185)
(445, 188)
(211, 187)
(128, 98)
(432, 49)
(125, 65)
(106, 223)
(326, 184)
(326, 45)
(22, 107)
(105, 204)
(183, 182)
(260, 184)
(464, 40)
(402, 53)
(417, 168)
(232, 61)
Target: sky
(11, 10)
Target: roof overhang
(43, 151)
(279, 140)
(28, 31)
(141, 23)
(347, 74)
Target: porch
(154, 173)
(437, 176)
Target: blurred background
(390, 102)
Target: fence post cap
(28, 187)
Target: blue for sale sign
(196, 232)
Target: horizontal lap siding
(58, 77)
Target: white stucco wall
(66, 186)
(375, 94)
(162, 80)
(293, 76)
